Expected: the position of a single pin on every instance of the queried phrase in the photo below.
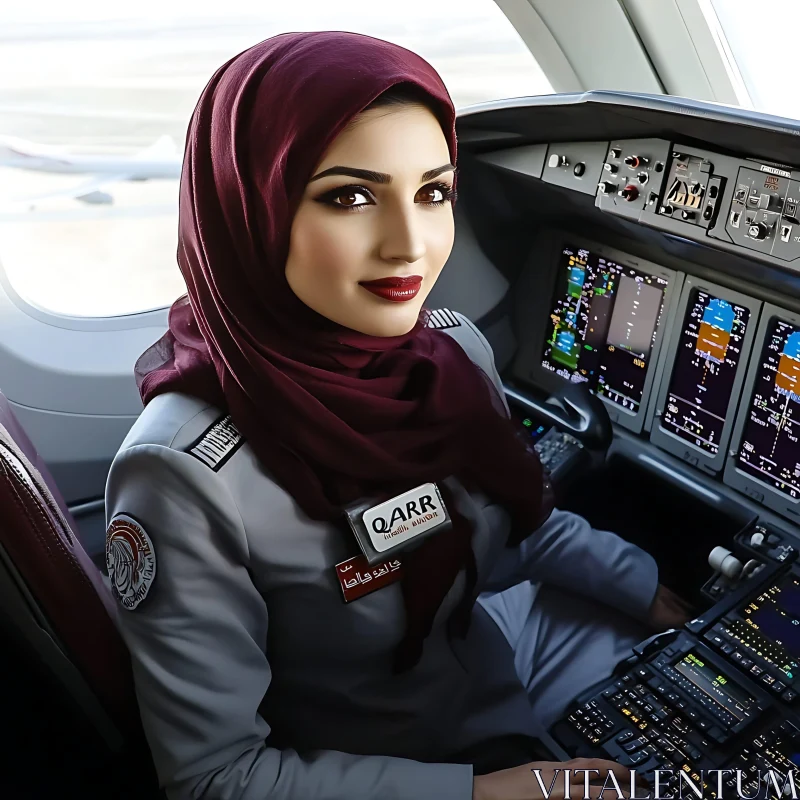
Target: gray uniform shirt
(255, 680)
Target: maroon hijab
(334, 415)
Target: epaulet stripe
(443, 318)
(217, 443)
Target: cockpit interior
(633, 258)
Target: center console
(720, 695)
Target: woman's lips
(396, 289)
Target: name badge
(357, 577)
(387, 528)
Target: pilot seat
(69, 709)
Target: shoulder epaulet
(217, 443)
(443, 318)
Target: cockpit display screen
(769, 625)
(769, 448)
(708, 354)
(603, 325)
(716, 686)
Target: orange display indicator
(712, 342)
(788, 377)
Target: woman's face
(375, 224)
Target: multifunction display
(707, 357)
(604, 322)
(716, 686)
(769, 626)
(769, 448)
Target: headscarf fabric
(332, 414)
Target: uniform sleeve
(197, 642)
(567, 552)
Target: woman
(322, 482)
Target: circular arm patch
(130, 559)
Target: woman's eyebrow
(377, 177)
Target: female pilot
(324, 478)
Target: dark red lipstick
(396, 289)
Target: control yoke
(572, 409)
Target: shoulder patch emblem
(130, 559)
(443, 318)
(218, 443)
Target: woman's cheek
(339, 256)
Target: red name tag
(357, 577)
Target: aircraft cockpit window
(94, 103)
(759, 50)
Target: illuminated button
(788, 696)
(767, 678)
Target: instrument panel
(597, 315)
(714, 706)
(712, 375)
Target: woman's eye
(349, 198)
(435, 194)
(431, 195)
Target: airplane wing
(163, 147)
(86, 192)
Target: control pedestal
(689, 708)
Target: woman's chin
(392, 322)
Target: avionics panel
(762, 635)
(764, 460)
(706, 364)
(599, 318)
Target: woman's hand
(520, 783)
(668, 610)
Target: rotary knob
(611, 169)
(634, 161)
(606, 187)
(758, 230)
(629, 193)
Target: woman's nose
(403, 237)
